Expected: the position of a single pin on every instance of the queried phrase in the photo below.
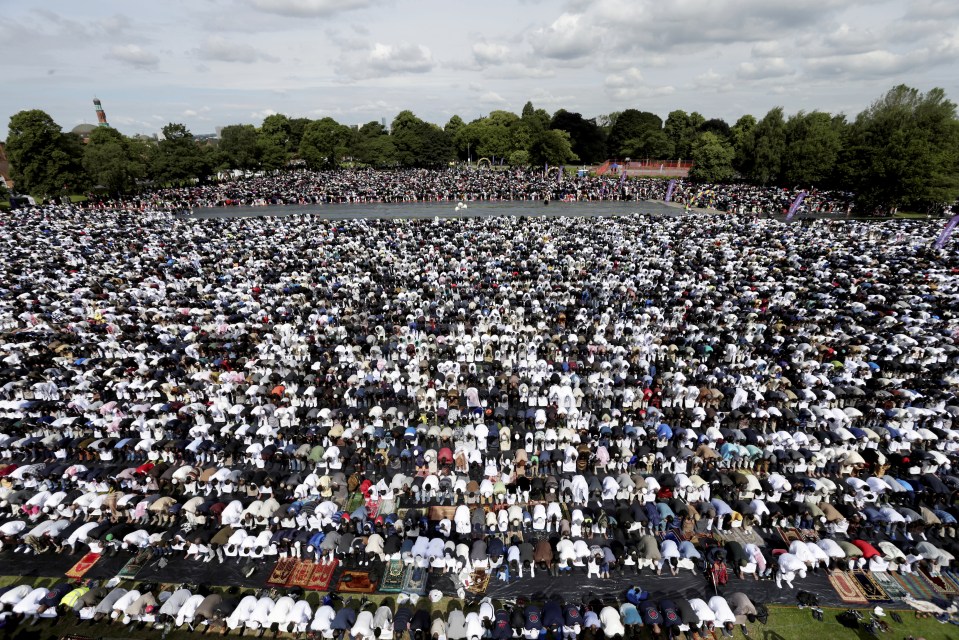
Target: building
(83, 131)
(101, 114)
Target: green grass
(791, 623)
(75, 199)
(785, 623)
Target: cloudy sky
(209, 63)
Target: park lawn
(912, 215)
(785, 623)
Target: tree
(607, 120)
(717, 126)
(178, 159)
(324, 143)
(813, 142)
(454, 124)
(271, 155)
(436, 149)
(297, 129)
(533, 122)
(519, 159)
(712, 159)
(238, 147)
(903, 151)
(497, 135)
(682, 129)
(655, 145)
(536, 120)
(629, 130)
(44, 161)
(113, 161)
(374, 146)
(551, 147)
(741, 136)
(587, 139)
(769, 147)
(276, 129)
(419, 143)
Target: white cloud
(885, 62)
(631, 85)
(570, 36)
(490, 53)
(219, 49)
(196, 113)
(382, 60)
(763, 69)
(711, 80)
(309, 8)
(767, 49)
(134, 55)
(491, 97)
(262, 114)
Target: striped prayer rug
(847, 588)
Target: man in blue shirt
(635, 595)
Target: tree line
(902, 151)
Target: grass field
(785, 623)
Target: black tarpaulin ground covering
(571, 587)
(687, 585)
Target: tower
(101, 115)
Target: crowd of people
(476, 185)
(589, 396)
(150, 606)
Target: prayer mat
(742, 536)
(889, 584)
(85, 564)
(322, 576)
(809, 535)
(439, 513)
(354, 502)
(133, 566)
(478, 582)
(699, 539)
(941, 584)
(675, 534)
(415, 580)
(372, 508)
(847, 588)
(952, 577)
(386, 507)
(915, 585)
(282, 572)
(870, 588)
(355, 582)
(301, 574)
(790, 535)
(394, 577)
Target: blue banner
(944, 236)
(795, 205)
(669, 190)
